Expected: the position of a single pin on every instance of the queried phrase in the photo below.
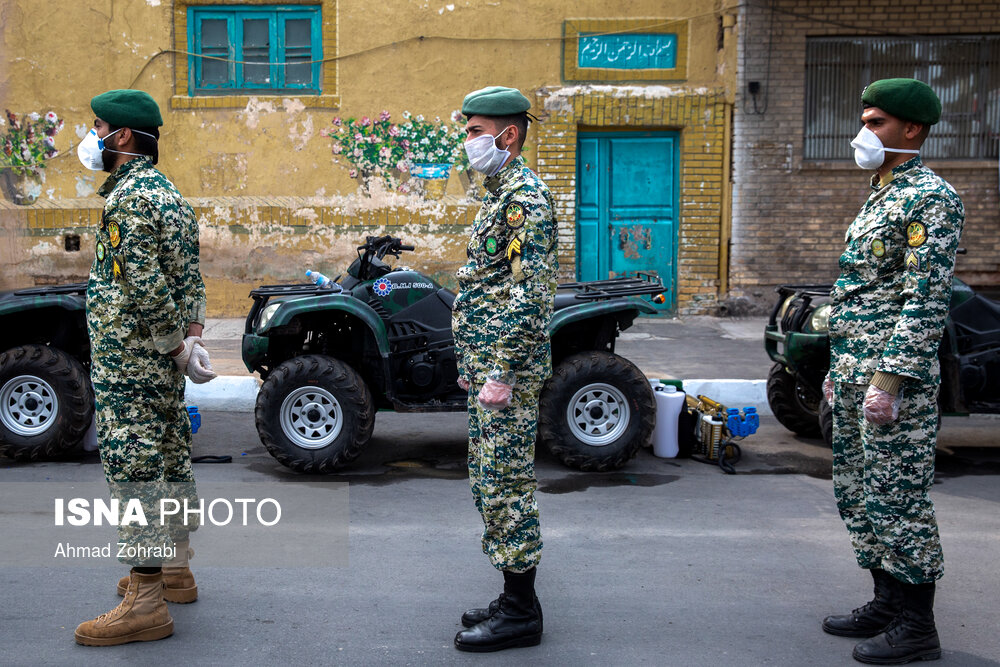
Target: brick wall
(701, 117)
(789, 215)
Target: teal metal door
(627, 206)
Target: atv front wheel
(314, 414)
(794, 404)
(46, 402)
(596, 411)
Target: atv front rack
(593, 290)
(264, 293)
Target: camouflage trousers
(144, 436)
(881, 476)
(502, 476)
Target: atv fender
(255, 345)
(590, 309)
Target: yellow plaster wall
(397, 55)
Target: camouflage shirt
(892, 297)
(506, 289)
(145, 284)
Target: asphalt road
(666, 562)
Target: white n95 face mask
(484, 156)
(869, 153)
(91, 149)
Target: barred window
(964, 70)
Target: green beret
(127, 108)
(495, 101)
(908, 99)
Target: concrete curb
(234, 393)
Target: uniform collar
(899, 170)
(494, 184)
(121, 173)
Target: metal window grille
(963, 70)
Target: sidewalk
(720, 357)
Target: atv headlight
(267, 314)
(784, 308)
(820, 320)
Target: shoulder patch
(514, 215)
(916, 234)
(114, 234)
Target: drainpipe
(726, 226)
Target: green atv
(46, 399)
(380, 339)
(797, 340)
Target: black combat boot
(912, 636)
(480, 614)
(874, 617)
(515, 618)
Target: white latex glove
(495, 395)
(880, 406)
(182, 358)
(463, 383)
(828, 389)
(199, 368)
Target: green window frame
(267, 49)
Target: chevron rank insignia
(514, 247)
(118, 267)
(914, 262)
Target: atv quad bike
(797, 340)
(380, 339)
(46, 399)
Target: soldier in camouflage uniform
(889, 308)
(145, 312)
(501, 318)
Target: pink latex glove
(495, 395)
(828, 389)
(463, 383)
(881, 407)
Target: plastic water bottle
(669, 403)
(318, 278)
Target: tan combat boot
(178, 581)
(141, 617)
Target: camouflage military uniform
(500, 323)
(890, 304)
(145, 288)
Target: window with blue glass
(264, 49)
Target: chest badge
(491, 246)
(916, 234)
(114, 234)
(514, 215)
(100, 251)
(878, 247)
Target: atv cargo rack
(72, 288)
(641, 283)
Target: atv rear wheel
(793, 403)
(46, 402)
(596, 411)
(314, 414)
